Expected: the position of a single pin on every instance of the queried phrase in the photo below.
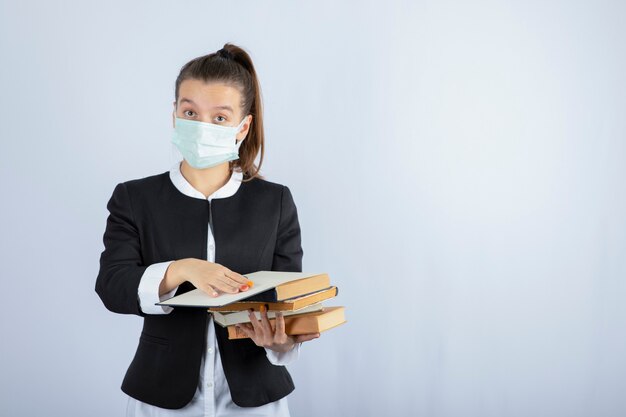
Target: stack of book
(298, 295)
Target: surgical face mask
(204, 145)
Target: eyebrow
(187, 100)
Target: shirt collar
(181, 183)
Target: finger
(255, 323)
(235, 283)
(206, 287)
(265, 321)
(305, 337)
(280, 328)
(238, 278)
(209, 290)
(227, 285)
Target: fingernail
(243, 287)
(214, 294)
(263, 308)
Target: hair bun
(225, 53)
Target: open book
(290, 304)
(268, 286)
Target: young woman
(202, 224)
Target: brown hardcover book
(315, 322)
(292, 288)
(288, 305)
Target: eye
(186, 113)
(220, 119)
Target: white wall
(458, 169)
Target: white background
(458, 169)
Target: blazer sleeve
(121, 266)
(288, 252)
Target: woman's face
(212, 102)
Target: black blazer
(151, 221)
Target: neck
(207, 180)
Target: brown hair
(232, 65)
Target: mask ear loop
(239, 130)
(231, 164)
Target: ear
(245, 128)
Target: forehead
(209, 95)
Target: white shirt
(212, 397)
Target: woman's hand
(209, 277)
(262, 333)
